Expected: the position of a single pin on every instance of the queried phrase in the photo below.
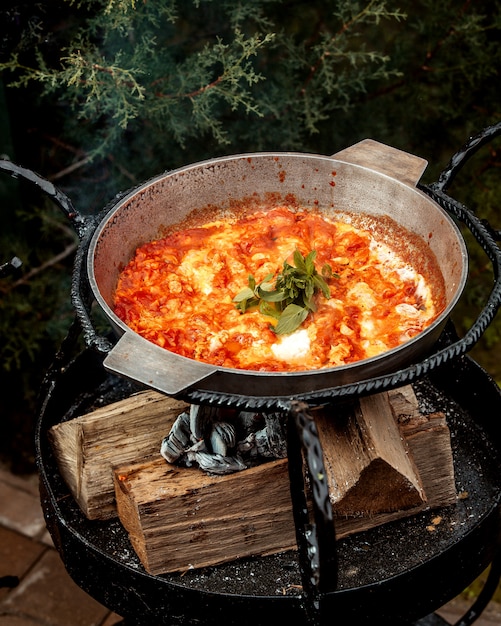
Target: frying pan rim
(117, 323)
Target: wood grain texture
(180, 518)
(88, 447)
(384, 461)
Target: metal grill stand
(396, 574)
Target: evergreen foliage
(159, 84)
(100, 95)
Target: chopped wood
(384, 461)
(429, 442)
(180, 518)
(368, 465)
(87, 447)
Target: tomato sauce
(178, 292)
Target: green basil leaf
(322, 285)
(265, 308)
(266, 285)
(289, 297)
(290, 320)
(299, 261)
(309, 303)
(327, 271)
(271, 296)
(245, 294)
(310, 262)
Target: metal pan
(368, 178)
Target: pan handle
(402, 166)
(79, 222)
(156, 368)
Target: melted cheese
(293, 347)
(178, 293)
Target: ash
(222, 441)
(277, 574)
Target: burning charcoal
(201, 420)
(269, 441)
(191, 454)
(247, 446)
(201, 436)
(218, 464)
(249, 422)
(277, 441)
(263, 444)
(178, 440)
(222, 438)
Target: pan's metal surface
(370, 179)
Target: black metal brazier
(388, 574)
(396, 574)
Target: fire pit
(397, 573)
(389, 572)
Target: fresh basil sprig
(290, 297)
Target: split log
(178, 518)
(429, 442)
(369, 468)
(384, 461)
(88, 447)
(181, 518)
